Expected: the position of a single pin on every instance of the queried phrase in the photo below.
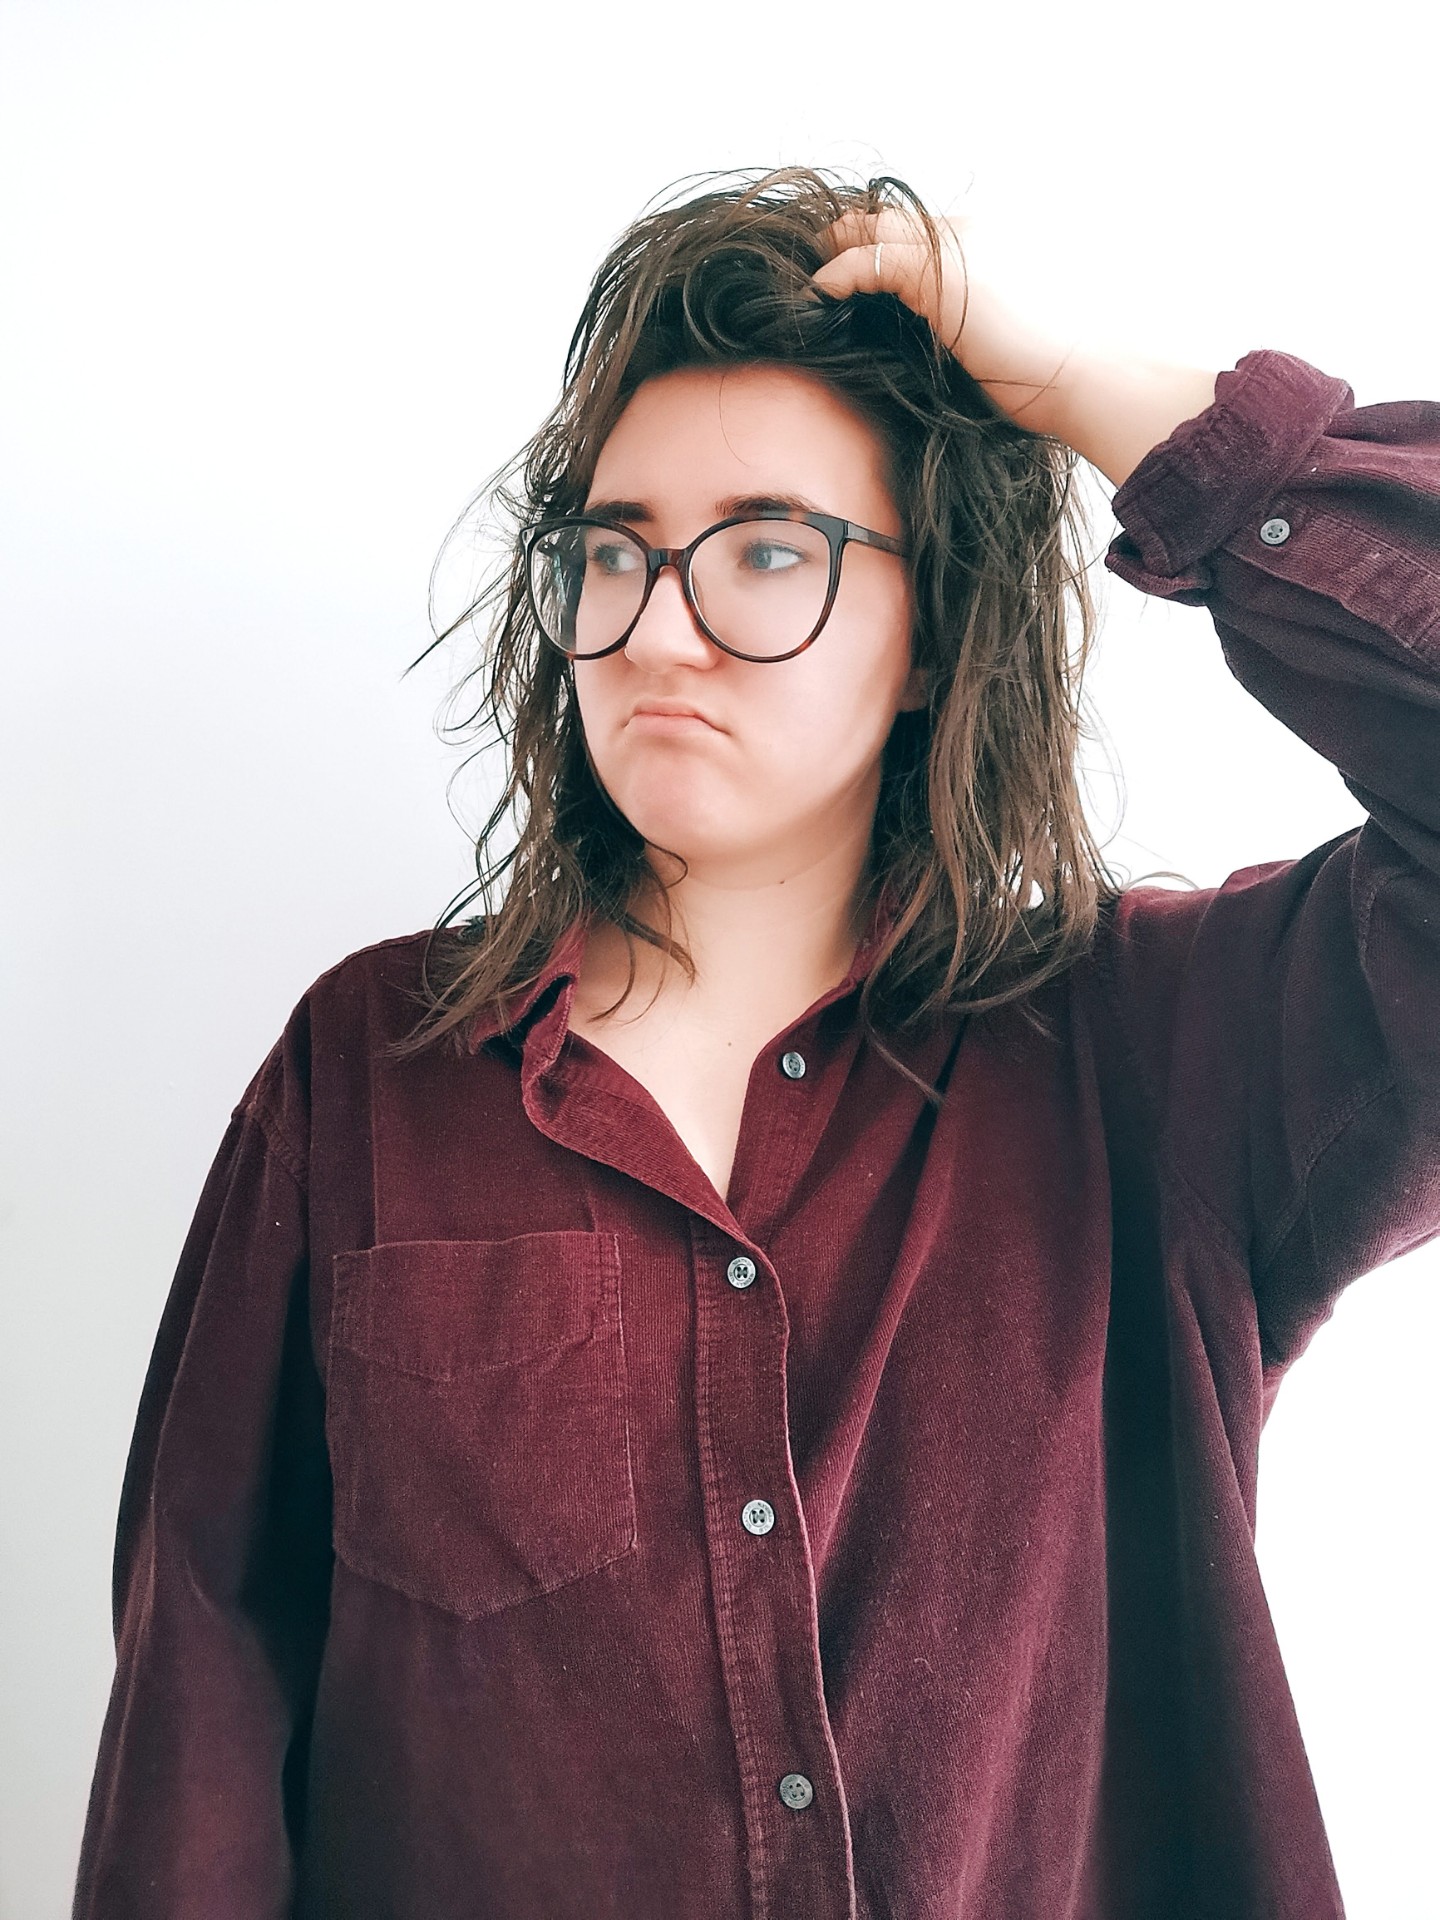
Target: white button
(740, 1272)
(1275, 532)
(758, 1516)
(794, 1065)
(796, 1790)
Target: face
(786, 774)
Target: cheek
(601, 710)
(820, 744)
(853, 701)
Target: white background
(284, 285)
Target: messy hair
(980, 839)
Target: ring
(878, 245)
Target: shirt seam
(288, 1156)
(1338, 1124)
(1339, 1120)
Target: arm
(1112, 408)
(222, 1565)
(1286, 1019)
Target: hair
(979, 832)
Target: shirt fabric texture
(515, 1530)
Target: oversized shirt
(514, 1529)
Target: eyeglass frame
(838, 531)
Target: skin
(773, 806)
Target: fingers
(858, 229)
(853, 269)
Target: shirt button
(1275, 532)
(796, 1790)
(741, 1271)
(794, 1065)
(758, 1516)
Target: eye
(772, 556)
(612, 556)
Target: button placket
(778, 1711)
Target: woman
(765, 1421)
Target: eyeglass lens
(760, 584)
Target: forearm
(1113, 407)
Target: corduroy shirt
(514, 1529)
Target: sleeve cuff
(1219, 470)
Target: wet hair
(979, 828)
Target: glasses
(761, 586)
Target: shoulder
(381, 990)
(1170, 963)
(1150, 937)
(1140, 944)
(378, 971)
(345, 1022)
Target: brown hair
(979, 826)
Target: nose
(667, 630)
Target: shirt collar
(563, 968)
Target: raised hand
(1003, 304)
(1007, 339)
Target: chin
(681, 830)
(668, 811)
(672, 833)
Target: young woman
(730, 1383)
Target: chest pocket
(476, 1413)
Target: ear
(915, 693)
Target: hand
(1015, 342)
(1012, 319)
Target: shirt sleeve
(1286, 1020)
(222, 1565)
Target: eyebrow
(640, 513)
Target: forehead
(756, 424)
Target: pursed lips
(674, 718)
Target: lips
(666, 711)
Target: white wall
(284, 284)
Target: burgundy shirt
(515, 1530)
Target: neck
(776, 944)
